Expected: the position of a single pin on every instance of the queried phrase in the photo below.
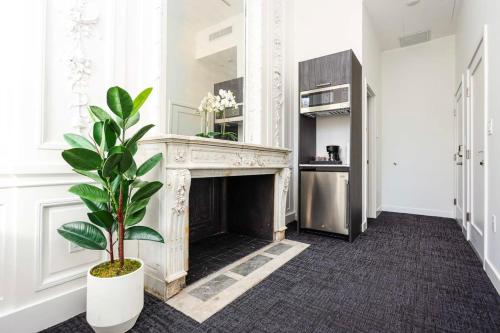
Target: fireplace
(210, 187)
(229, 218)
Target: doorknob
(481, 163)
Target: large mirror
(206, 68)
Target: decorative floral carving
(180, 192)
(84, 18)
(180, 155)
(286, 180)
(277, 66)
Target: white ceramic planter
(113, 304)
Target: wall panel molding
(3, 277)
(56, 260)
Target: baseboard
(379, 211)
(364, 226)
(42, 315)
(290, 217)
(418, 211)
(493, 274)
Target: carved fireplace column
(281, 184)
(178, 182)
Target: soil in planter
(108, 269)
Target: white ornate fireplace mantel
(187, 157)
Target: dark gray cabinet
(329, 70)
(332, 70)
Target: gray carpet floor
(407, 273)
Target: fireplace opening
(229, 218)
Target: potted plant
(219, 103)
(115, 288)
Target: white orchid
(217, 103)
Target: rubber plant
(118, 201)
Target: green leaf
(133, 219)
(125, 186)
(140, 99)
(147, 191)
(102, 218)
(126, 161)
(82, 159)
(137, 136)
(149, 164)
(78, 141)
(109, 135)
(115, 184)
(93, 206)
(132, 148)
(120, 102)
(110, 163)
(131, 121)
(99, 114)
(90, 192)
(131, 172)
(137, 183)
(84, 235)
(91, 175)
(142, 233)
(137, 206)
(97, 132)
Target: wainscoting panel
(3, 223)
(58, 260)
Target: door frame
(371, 153)
(481, 51)
(460, 93)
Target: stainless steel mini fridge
(324, 201)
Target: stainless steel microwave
(327, 100)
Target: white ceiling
(204, 13)
(393, 19)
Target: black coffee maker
(333, 154)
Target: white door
(477, 105)
(185, 120)
(460, 161)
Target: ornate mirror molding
(264, 71)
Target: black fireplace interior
(229, 218)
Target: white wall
(372, 150)
(42, 278)
(472, 17)
(333, 131)
(418, 84)
(318, 28)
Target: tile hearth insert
(216, 252)
(209, 295)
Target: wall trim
(46, 313)
(417, 211)
(3, 221)
(493, 274)
(290, 217)
(63, 276)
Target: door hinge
(467, 217)
(467, 154)
(455, 201)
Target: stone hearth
(193, 157)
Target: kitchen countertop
(333, 167)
